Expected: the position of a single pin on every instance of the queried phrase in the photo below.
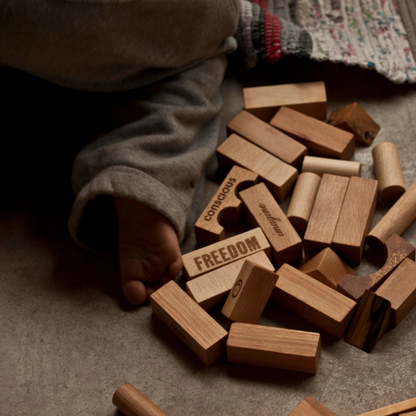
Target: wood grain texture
(313, 301)
(267, 137)
(184, 317)
(276, 174)
(355, 218)
(224, 207)
(271, 347)
(408, 413)
(320, 138)
(262, 210)
(321, 165)
(250, 293)
(394, 409)
(310, 407)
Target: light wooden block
(219, 254)
(198, 330)
(327, 267)
(212, 288)
(355, 218)
(267, 137)
(310, 407)
(408, 413)
(265, 346)
(276, 174)
(307, 98)
(324, 217)
(312, 300)
(394, 409)
(263, 211)
(321, 165)
(320, 138)
(250, 293)
(224, 207)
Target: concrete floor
(68, 339)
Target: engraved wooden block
(308, 98)
(212, 288)
(312, 300)
(310, 407)
(327, 268)
(355, 218)
(321, 165)
(354, 119)
(219, 254)
(263, 211)
(394, 409)
(324, 217)
(198, 330)
(265, 346)
(267, 137)
(250, 293)
(320, 138)
(224, 207)
(276, 174)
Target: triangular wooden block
(310, 407)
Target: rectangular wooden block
(394, 409)
(312, 300)
(279, 177)
(320, 138)
(263, 211)
(272, 347)
(198, 330)
(355, 218)
(324, 217)
(408, 413)
(308, 98)
(310, 407)
(212, 288)
(267, 137)
(219, 254)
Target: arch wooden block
(276, 174)
(310, 407)
(321, 165)
(394, 409)
(271, 347)
(224, 207)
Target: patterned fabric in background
(367, 33)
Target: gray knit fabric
(408, 14)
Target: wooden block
(265, 346)
(400, 290)
(354, 119)
(325, 213)
(394, 409)
(302, 201)
(267, 137)
(250, 293)
(371, 320)
(219, 254)
(396, 251)
(276, 174)
(224, 207)
(321, 165)
(408, 413)
(388, 172)
(327, 268)
(320, 138)
(198, 330)
(308, 98)
(310, 407)
(132, 402)
(355, 218)
(212, 288)
(263, 211)
(312, 300)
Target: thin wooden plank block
(267, 137)
(219, 254)
(310, 407)
(198, 330)
(212, 288)
(271, 347)
(276, 174)
(394, 409)
(355, 218)
(325, 213)
(263, 211)
(307, 98)
(313, 301)
(250, 293)
(320, 138)
(321, 165)
(408, 414)
(224, 207)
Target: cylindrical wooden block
(397, 219)
(302, 201)
(134, 403)
(321, 165)
(388, 172)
